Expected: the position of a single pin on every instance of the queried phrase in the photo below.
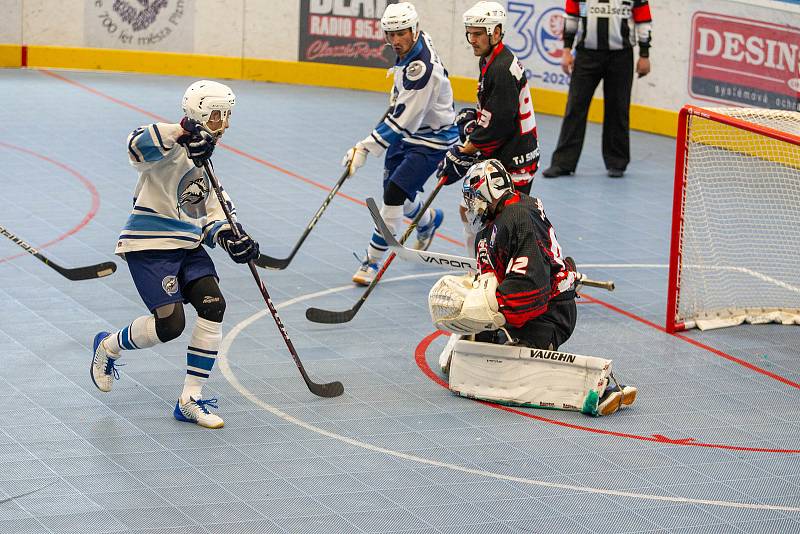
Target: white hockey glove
(355, 158)
(463, 306)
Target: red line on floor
(422, 363)
(86, 183)
(222, 145)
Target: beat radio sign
(745, 61)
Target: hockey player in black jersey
(518, 255)
(503, 126)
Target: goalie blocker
(537, 378)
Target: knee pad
(207, 299)
(211, 308)
(170, 322)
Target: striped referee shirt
(606, 24)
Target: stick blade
(89, 272)
(332, 389)
(317, 315)
(268, 262)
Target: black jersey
(519, 246)
(506, 125)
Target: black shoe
(554, 171)
(616, 173)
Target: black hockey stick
(332, 389)
(268, 262)
(78, 273)
(318, 315)
(450, 261)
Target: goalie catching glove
(463, 306)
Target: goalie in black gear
(525, 291)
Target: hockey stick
(458, 263)
(77, 273)
(319, 315)
(268, 262)
(331, 389)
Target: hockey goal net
(735, 253)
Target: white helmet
(486, 181)
(487, 15)
(205, 96)
(399, 17)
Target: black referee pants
(615, 68)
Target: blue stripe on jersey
(178, 237)
(146, 146)
(211, 237)
(200, 362)
(387, 134)
(158, 135)
(152, 223)
(143, 208)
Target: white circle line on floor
(222, 361)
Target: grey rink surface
(711, 445)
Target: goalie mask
(203, 98)
(485, 183)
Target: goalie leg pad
(447, 352)
(528, 377)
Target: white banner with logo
(165, 25)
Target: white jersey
(422, 111)
(173, 204)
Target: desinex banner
(345, 32)
(745, 62)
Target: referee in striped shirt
(604, 51)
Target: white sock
(393, 215)
(410, 210)
(140, 334)
(200, 357)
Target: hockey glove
(455, 165)
(241, 249)
(198, 142)
(355, 158)
(466, 120)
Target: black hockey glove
(455, 165)
(466, 120)
(241, 249)
(198, 142)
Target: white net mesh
(741, 228)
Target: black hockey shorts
(547, 331)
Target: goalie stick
(331, 389)
(318, 315)
(88, 272)
(458, 263)
(268, 262)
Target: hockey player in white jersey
(174, 214)
(415, 133)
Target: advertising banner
(534, 34)
(344, 32)
(743, 61)
(164, 25)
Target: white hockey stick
(457, 263)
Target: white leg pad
(528, 377)
(447, 352)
